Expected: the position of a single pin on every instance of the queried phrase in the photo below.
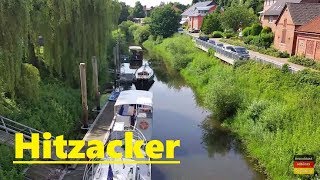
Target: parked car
(180, 30)
(229, 48)
(243, 52)
(204, 38)
(240, 51)
(212, 42)
(194, 30)
(219, 45)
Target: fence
(234, 56)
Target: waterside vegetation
(275, 113)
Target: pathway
(278, 62)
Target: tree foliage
(124, 14)
(73, 32)
(237, 16)
(164, 21)
(211, 22)
(138, 11)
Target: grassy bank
(276, 114)
(56, 110)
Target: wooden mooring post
(95, 82)
(83, 80)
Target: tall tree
(124, 14)
(211, 23)
(138, 11)
(237, 16)
(164, 21)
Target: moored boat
(122, 170)
(135, 109)
(136, 56)
(144, 73)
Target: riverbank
(273, 112)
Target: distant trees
(237, 16)
(211, 23)
(234, 17)
(124, 14)
(138, 11)
(164, 21)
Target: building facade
(308, 40)
(273, 8)
(291, 18)
(195, 14)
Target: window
(284, 31)
(283, 37)
(285, 23)
(270, 19)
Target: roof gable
(193, 9)
(303, 12)
(276, 8)
(312, 27)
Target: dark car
(212, 42)
(204, 38)
(219, 45)
(194, 30)
(243, 52)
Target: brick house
(308, 39)
(194, 15)
(273, 8)
(292, 17)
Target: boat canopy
(136, 48)
(134, 97)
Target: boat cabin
(134, 109)
(136, 53)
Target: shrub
(284, 54)
(266, 30)
(211, 52)
(302, 61)
(255, 29)
(228, 35)
(217, 34)
(29, 84)
(248, 39)
(224, 100)
(263, 40)
(141, 34)
(285, 68)
(246, 31)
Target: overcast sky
(150, 3)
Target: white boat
(144, 73)
(125, 170)
(133, 113)
(134, 109)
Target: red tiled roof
(312, 26)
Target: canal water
(207, 150)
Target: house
(195, 14)
(291, 18)
(147, 10)
(308, 39)
(273, 8)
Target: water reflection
(167, 75)
(217, 139)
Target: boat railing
(90, 170)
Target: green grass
(57, 110)
(276, 114)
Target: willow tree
(54, 36)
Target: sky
(150, 3)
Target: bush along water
(275, 113)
